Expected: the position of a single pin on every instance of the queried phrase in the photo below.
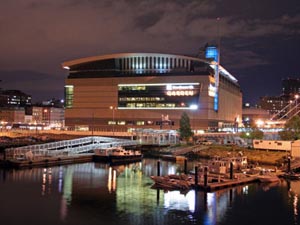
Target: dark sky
(260, 41)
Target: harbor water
(97, 193)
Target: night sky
(260, 42)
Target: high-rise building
(290, 87)
(283, 106)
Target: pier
(226, 183)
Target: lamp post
(296, 100)
(113, 118)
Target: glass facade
(158, 96)
(69, 95)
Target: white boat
(222, 164)
(117, 155)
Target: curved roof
(76, 62)
(124, 55)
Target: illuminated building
(12, 115)
(252, 115)
(14, 98)
(149, 90)
(50, 116)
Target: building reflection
(294, 194)
(126, 190)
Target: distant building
(14, 98)
(48, 116)
(290, 87)
(12, 115)
(57, 103)
(273, 104)
(252, 116)
(283, 106)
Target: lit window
(140, 123)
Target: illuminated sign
(159, 96)
(180, 90)
(180, 93)
(212, 90)
(171, 87)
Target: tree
(254, 134)
(185, 127)
(291, 129)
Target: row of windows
(132, 88)
(141, 99)
(152, 105)
(140, 122)
(133, 63)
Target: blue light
(211, 53)
(216, 102)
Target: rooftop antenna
(217, 71)
(218, 59)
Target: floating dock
(226, 183)
(50, 161)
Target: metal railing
(65, 148)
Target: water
(94, 193)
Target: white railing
(67, 147)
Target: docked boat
(267, 177)
(221, 165)
(172, 182)
(117, 155)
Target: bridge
(66, 147)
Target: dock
(60, 152)
(48, 161)
(226, 184)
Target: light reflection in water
(126, 192)
(176, 200)
(295, 204)
(46, 181)
(112, 180)
(294, 192)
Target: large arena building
(120, 92)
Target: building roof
(139, 63)
(126, 55)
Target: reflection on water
(94, 193)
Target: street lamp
(113, 118)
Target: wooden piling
(185, 166)
(196, 177)
(205, 177)
(231, 170)
(158, 168)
